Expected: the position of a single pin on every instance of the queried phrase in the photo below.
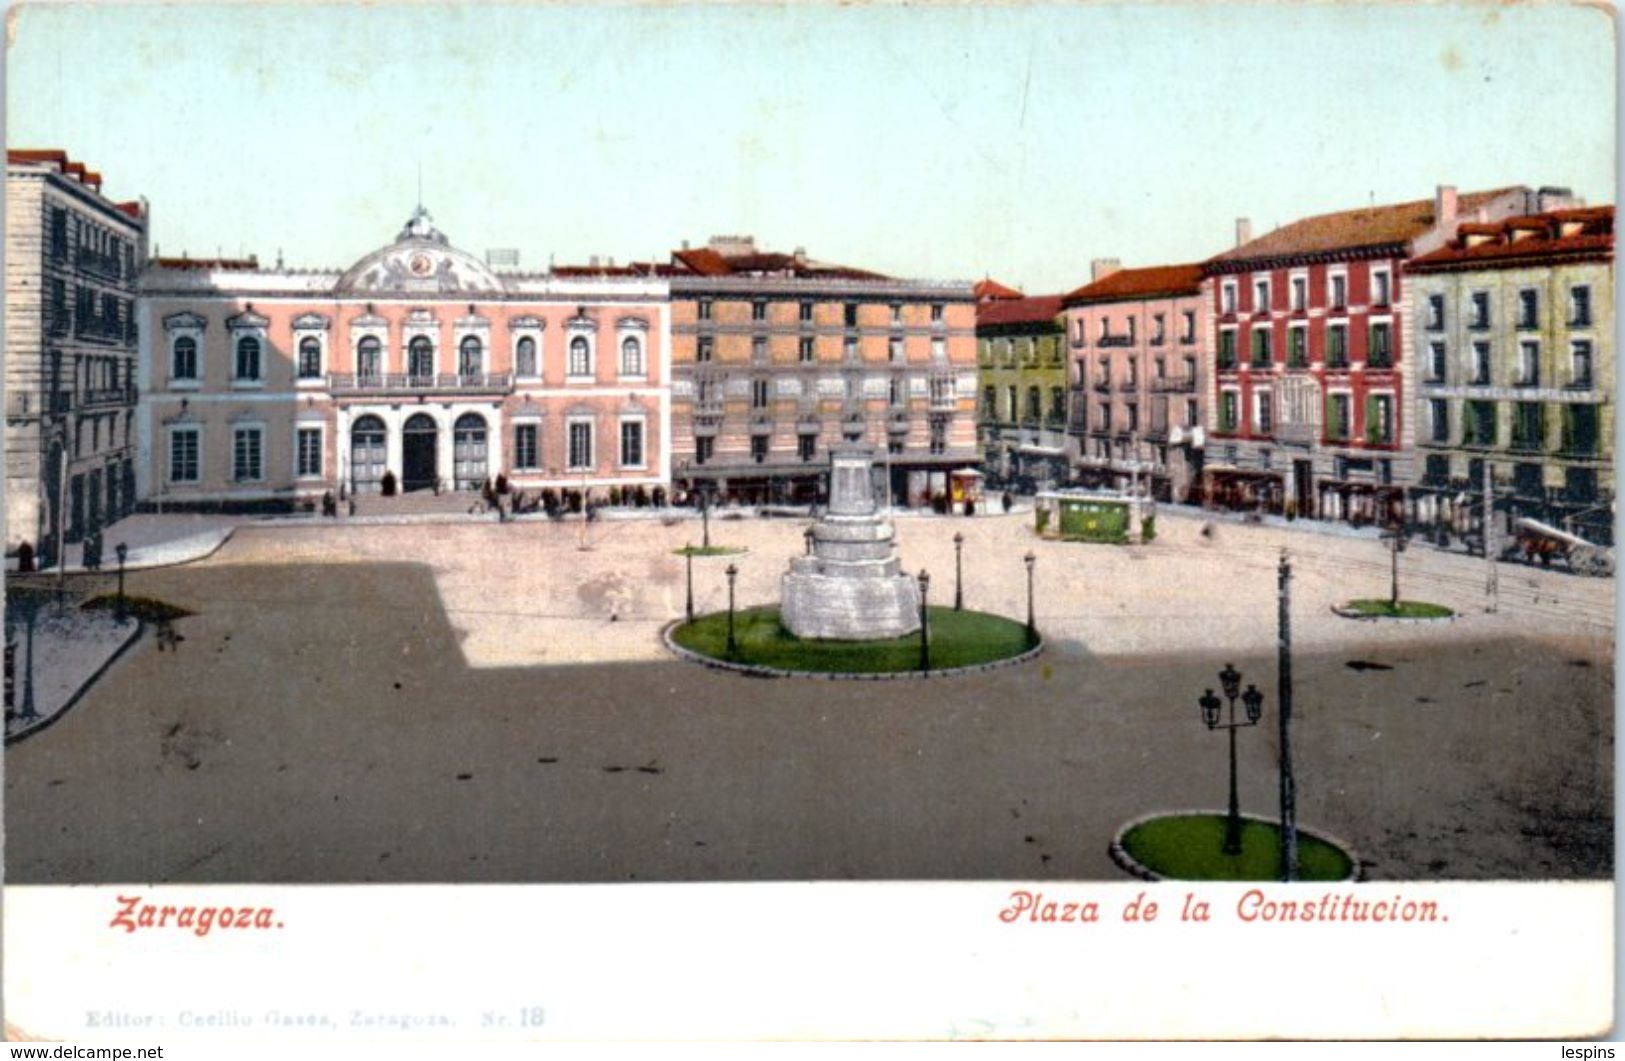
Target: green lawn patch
(147, 609)
(958, 639)
(1187, 847)
(709, 550)
(1405, 609)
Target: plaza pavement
(490, 702)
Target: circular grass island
(1386, 609)
(1188, 847)
(959, 640)
(710, 550)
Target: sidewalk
(71, 649)
(154, 541)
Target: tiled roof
(34, 155)
(242, 264)
(1155, 281)
(706, 261)
(987, 288)
(1594, 240)
(1039, 309)
(1370, 227)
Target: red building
(1308, 411)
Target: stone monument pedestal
(852, 586)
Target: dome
(420, 261)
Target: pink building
(266, 388)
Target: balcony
(1174, 385)
(1297, 434)
(108, 396)
(98, 328)
(1116, 340)
(1102, 386)
(396, 383)
(106, 265)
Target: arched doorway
(367, 455)
(418, 445)
(468, 439)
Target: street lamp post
(807, 536)
(1032, 621)
(925, 628)
(123, 550)
(688, 556)
(733, 646)
(705, 515)
(1253, 701)
(959, 572)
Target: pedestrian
(25, 558)
(1008, 501)
(92, 554)
(330, 507)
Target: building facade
(1140, 343)
(776, 357)
(1314, 375)
(72, 258)
(418, 368)
(1021, 372)
(1515, 329)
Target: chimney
(685, 244)
(801, 255)
(1100, 268)
(1553, 198)
(1444, 207)
(592, 261)
(1244, 231)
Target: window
(1438, 362)
(1157, 326)
(758, 310)
(631, 443)
(939, 435)
(1187, 334)
(705, 309)
(524, 446)
(1380, 294)
(1192, 412)
(1528, 426)
(807, 348)
(1229, 410)
(1133, 371)
(895, 394)
(939, 349)
(183, 359)
(1438, 470)
(308, 452)
(1528, 308)
(581, 357)
(1481, 364)
(1035, 404)
(894, 348)
(1528, 364)
(1435, 312)
(1379, 419)
(183, 455)
(1133, 416)
(758, 394)
(1057, 405)
(1479, 310)
(990, 403)
(367, 357)
(1227, 349)
(1262, 420)
(1580, 430)
(310, 357)
(525, 357)
(631, 356)
(1580, 306)
(1105, 416)
(246, 464)
(248, 358)
(806, 446)
(420, 358)
(1300, 293)
(470, 356)
(706, 347)
(1227, 297)
(1340, 291)
(1380, 354)
(806, 311)
(849, 350)
(1337, 416)
(1297, 348)
(1439, 418)
(1261, 296)
(936, 312)
(580, 439)
(705, 447)
(1011, 405)
(1080, 334)
(897, 313)
(1261, 347)
(1478, 426)
(1580, 364)
(850, 314)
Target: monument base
(849, 609)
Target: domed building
(418, 367)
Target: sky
(950, 142)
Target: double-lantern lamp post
(1253, 702)
(925, 630)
